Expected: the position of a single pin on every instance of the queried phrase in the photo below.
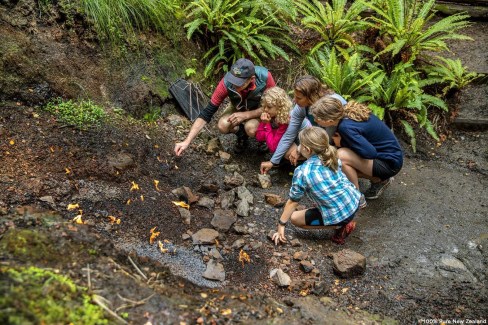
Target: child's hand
(279, 236)
(265, 117)
(336, 138)
(266, 166)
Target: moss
(27, 245)
(38, 296)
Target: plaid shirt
(335, 196)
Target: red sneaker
(342, 233)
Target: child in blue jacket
(368, 148)
(321, 179)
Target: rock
(227, 199)
(238, 243)
(206, 202)
(295, 243)
(209, 187)
(244, 194)
(224, 155)
(234, 180)
(274, 200)
(185, 194)
(214, 253)
(185, 215)
(264, 180)
(232, 168)
(450, 263)
(48, 199)
(185, 236)
(223, 219)
(242, 208)
(300, 256)
(213, 145)
(120, 161)
(256, 245)
(205, 236)
(240, 230)
(306, 266)
(214, 271)
(270, 234)
(280, 278)
(348, 263)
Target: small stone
(244, 194)
(232, 168)
(185, 215)
(120, 161)
(209, 187)
(256, 245)
(274, 200)
(224, 155)
(205, 236)
(280, 278)
(223, 219)
(300, 256)
(214, 271)
(234, 180)
(206, 202)
(295, 243)
(243, 208)
(306, 266)
(264, 180)
(227, 199)
(347, 263)
(185, 236)
(238, 244)
(48, 199)
(185, 194)
(240, 230)
(213, 145)
(214, 253)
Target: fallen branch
(137, 269)
(132, 303)
(102, 302)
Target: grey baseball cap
(240, 71)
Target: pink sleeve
(274, 137)
(219, 94)
(262, 131)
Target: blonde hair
(330, 108)
(311, 88)
(277, 97)
(317, 140)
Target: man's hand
(265, 117)
(237, 118)
(180, 147)
(279, 236)
(265, 166)
(336, 138)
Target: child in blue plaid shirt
(321, 178)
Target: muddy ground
(424, 240)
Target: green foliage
(235, 29)
(82, 114)
(31, 295)
(450, 73)
(406, 30)
(117, 20)
(335, 23)
(346, 77)
(153, 115)
(402, 90)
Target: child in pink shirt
(276, 107)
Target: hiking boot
(377, 189)
(342, 233)
(242, 139)
(362, 202)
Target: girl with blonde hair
(307, 90)
(367, 147)
(321, 178)
(276, 106)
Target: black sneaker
(242, 139)
(377, 189)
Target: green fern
(334, 22)
(255, 29)
(450, 73)
(405, 28)
(345, 76)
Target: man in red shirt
(244, 84)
